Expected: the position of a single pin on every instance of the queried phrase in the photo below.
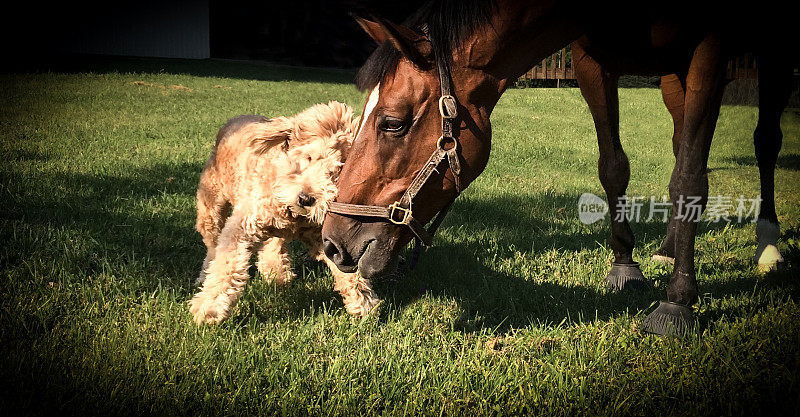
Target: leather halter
(400, 212)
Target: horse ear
(373, 29)
(415, 47)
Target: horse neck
(518, 36)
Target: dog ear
(276, 132)
(415, 47)
(354, 124)
(350, 136)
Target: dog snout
(339, 255)
(306, 200)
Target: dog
(267, 183)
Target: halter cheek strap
(400, 212)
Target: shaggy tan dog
(266, 184)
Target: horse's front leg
(599, 89)
(688, 186)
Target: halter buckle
(440, 143)
(448, 107)
(394, 207)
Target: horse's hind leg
(673, 89)
(774, 87)
(688, 186)
(599, 89)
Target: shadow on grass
(759, 288)
(131, 219)
(140, 221)
(201, 68)
(786, 161)
(24, 155)
(491, 298)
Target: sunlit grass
(508, 313)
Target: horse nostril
(341, 258)
(305, 200)
(330, 249)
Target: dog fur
(267, 183)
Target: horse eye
(391, 124)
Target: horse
(425, 132)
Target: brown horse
(478, 49)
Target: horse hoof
(769, 259)
(669, 319)
(765, 268)
(767, 256)
(663, 259)
(626, 277)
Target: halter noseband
(400, 212)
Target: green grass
(507, 314)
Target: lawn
(506, 314)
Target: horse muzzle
(369, 247)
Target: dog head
(313, 155)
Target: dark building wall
(166, 29)
(170, 29)
(310, 32)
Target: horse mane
(449, 23)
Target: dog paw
(361, 305)
(209, 310)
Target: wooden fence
(742, 67)
(555, 67)
(559, 67)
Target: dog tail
(264, 136)
(256, 132)
(234, 124)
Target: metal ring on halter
(450, 105)
(405, 211)
(440, 142)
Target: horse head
(401, 128)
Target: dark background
(296, 32)
(311, 32)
